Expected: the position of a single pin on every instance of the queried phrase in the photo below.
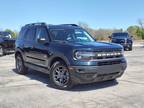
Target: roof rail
(69, 24)
(39, 23)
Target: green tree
(99, 34)
(133, 31)
(140, 30)
(140, 33)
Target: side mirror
(109, 37)
(131, 36)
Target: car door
(29, 43)
(41, 47)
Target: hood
(92, 45)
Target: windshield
(120, 35)
(5, 34)
(73, 35)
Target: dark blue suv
(124, 39)
(7, 43)
(68, 53)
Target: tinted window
(30, 34)
(6, 36)
(76, 35)
(42, 33)
(120, 35)
(21, 34)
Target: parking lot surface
(33, 90)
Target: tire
(130, 49)
(20, 67)
(1, 51)
(60, 76)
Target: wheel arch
(58, 58)
(18, 51)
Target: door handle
(29, 46)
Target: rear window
(30, 34)
(21, 34)
(120, 34)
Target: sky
(96, 13)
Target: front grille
(109, 53)
(119, 41)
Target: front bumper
(90, 74)
(126, 45)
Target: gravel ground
(33, 90)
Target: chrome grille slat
(109, 51)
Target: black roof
(120, 33)
(62, 26)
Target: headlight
(84, 55)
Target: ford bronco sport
(68, 53)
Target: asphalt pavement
(34, 91)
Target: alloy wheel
(19, 64)
(61, 76)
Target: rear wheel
(1, 50)
(20, 67)
(60, 76)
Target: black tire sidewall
(24, 69)
(56, 64)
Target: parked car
(7, 43)
(68, 54)
(122, 38)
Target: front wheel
(20, 67)
(60, 76)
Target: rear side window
(30, 34)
